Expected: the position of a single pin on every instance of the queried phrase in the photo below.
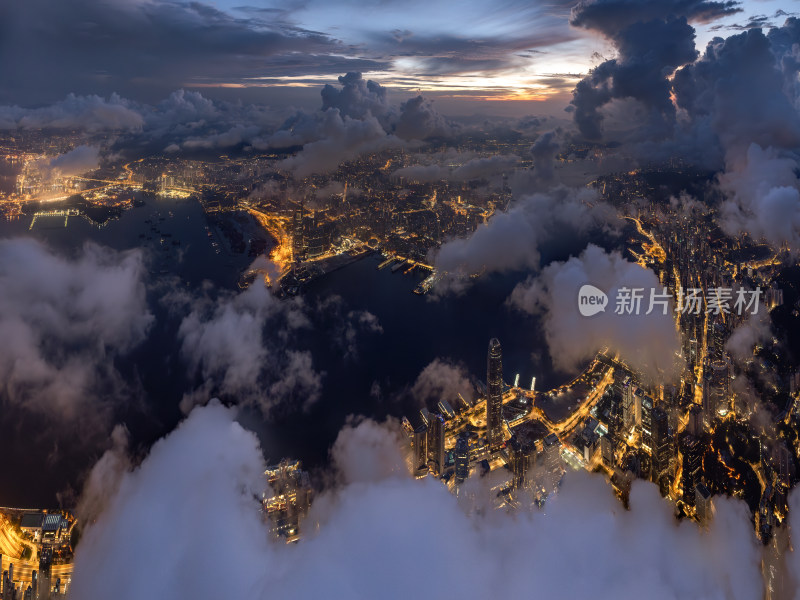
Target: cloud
(612, 16)
(63, 321)
(148, 48)
(648, 52)
(647, 343)
(763, 195)
(443, 380)
(736, 90)
(357, 98)
(239, 345)
(376, 530)
(512, 240)
(366, 451)
(544, 152)
(474, 168)
(419, 120)
(105, 477)
(89, 113)
(249, 348)
(209, 464)
(336, 139)
(77, 161)
(755, 330)
(346, 325)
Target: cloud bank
(202, 483)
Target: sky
(473, 57)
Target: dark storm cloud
(648, 53)
(357, 97)
(419, 120)
(744, 91)
(367, 537)
(610, 17)
(736, 87)
(652, 39)
(753, 22)
(355, 118)
(139, 48)
(63, 321)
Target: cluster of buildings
(47, 569)
(287, 502)
(694, 438)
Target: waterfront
(416, 330)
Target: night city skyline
(387, 300)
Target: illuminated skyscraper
(628, 406)
(662, 449)
(420, 450)
(298, 235)
(692, 466)
(494, 396)
(462, 459)
(436, 443)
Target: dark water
(416, 330)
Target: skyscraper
(420, 450)
(436, 443)
(692, 466)
(494, 396)
(298, 237)
(628, 407)
(462, 459)
(662, 449)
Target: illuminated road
(11, 544)
(23, 572)
(476, 415)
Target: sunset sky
(470, 56)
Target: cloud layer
(379, 530)
(63, 321)
(647, 343)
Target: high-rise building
(436, 443)
(494, 396)
(647, 424)
(298, 235)
(715, 391)
(662, 449)
(420, 450)
(522, 456)
(462, 459)
(628, 407)
(692, 467)
(704, 507)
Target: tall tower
(494, 396)
(462, 459)
(436, 443)
(298, 237)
